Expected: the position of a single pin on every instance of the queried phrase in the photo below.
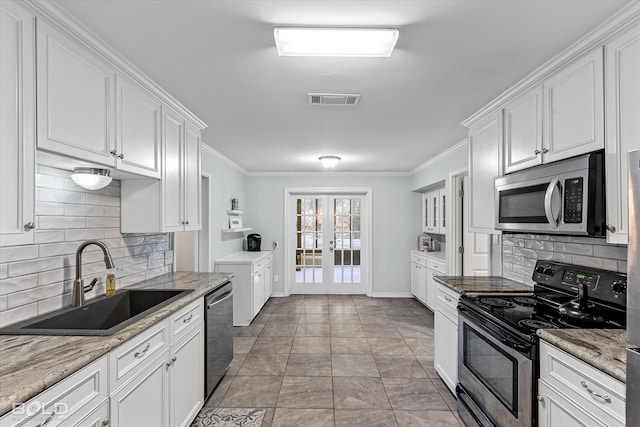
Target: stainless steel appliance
(253, 242)
(633, 269)
(219, 335)
(498, 346)
(565, 197)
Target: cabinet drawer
(128, 359)
(419, 260)
(438, 267)
(183, 320)
(447, 300)
(74, 397)
(582, 382)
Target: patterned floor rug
(223, 417)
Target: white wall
(395, 221)
(438, 168)
(227, 182)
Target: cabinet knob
(545, 150)
(186, 222)
(105, 422)
(121, 156)
(30, 225)
(537, 152)
(113, 152)
(610, 228)
(541, 399)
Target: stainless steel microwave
(565, 197)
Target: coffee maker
(253, 242)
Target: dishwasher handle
(223, 298)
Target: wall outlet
(168, 257)
(276, 278)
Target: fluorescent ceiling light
(367, 42)
(90, 178)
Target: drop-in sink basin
(102, 316)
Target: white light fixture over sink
(329, 162)
(325, 41)
(91, 178)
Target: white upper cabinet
(622, 62)
(75, 99)
(192, 179)
(433, 211)
(17, 129)
(574, 109)
(523, 131)
(485, 140)
(137, 130)
(172, 171)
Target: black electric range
(498, 345)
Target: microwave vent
(333, 99)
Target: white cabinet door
(17, 129)
(258, 290)
(442, 198)
(75, 99)
(172, 171)
(145, 400)
(446, 347)
(485, 140)
(554, 410)
(435, 212)
(421, 280)
(574, 109)
(623, 127)
(192, 178)
(430, 289)
(268, 280)
(137, 130)
(414, 279)
(187, 378)
(426, 213)
(523, 131)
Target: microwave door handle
(551, 201)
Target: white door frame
(366, 250)
(454, 230)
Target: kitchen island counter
(604, 349)
(33, 363)
(474, 285)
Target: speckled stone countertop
(470, 285)
(604, 349)
(33, 363)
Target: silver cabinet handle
(50, 417)
(30, 225)
(447, 298)
(188, 319)
(610, 228)
(171, 362)
(607, 399)
(141, 353)
(545, 150)
(537, 152)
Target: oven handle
(549, 199)
(515, 345)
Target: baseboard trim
(392, 295)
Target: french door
(327, 244)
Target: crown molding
(80, 33)
(596, 38)
(446, 153)
(223, 158)
(330, 173)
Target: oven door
(496, 372)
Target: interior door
(475, 259)
(328, 242)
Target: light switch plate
(168, 257)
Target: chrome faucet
(77, 298)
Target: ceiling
(453, 56)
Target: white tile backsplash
(35, 279)
(520, 252)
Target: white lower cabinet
(252, 283)
(66, 403)
(186, 377)
(574, 393)
(419, 277)
(445, 358)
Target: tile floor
(335, 360)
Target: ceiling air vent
(333, 98)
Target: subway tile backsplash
(521, 251)
(38, 278)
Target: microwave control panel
(573, 189)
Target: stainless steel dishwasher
(219, 335)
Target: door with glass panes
(328, 242)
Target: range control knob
(540, 269)
(548, 272)
(619, 287)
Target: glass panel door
(328, 243)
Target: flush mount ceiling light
(90, 178)
(329, 162)
(324, 41)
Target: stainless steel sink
(102, 316)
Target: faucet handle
(91, 285)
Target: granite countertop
(33, 363)
(470, 285)
(604, 349)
